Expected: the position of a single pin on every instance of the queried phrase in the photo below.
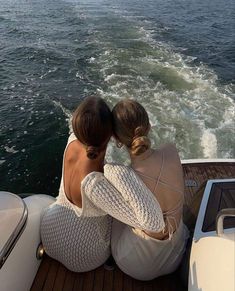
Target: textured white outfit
(80, 237)
(143, 257)
(137, 254)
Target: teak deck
(54, 276)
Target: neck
(97, 163)
(142, 156)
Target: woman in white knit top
(76, 229)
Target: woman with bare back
(140, 253)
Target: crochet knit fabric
(80, 237)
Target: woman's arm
(124, 196)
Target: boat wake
(186, 103)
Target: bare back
(76, 167)
(162, 173)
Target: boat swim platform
(53, 276)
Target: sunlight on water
(178, 63)
(184, 102)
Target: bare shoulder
(169, 149)
(171, 157)
(172, 173)
(72, 151)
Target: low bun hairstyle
(140, 145)
(92, 125)
(92, 152)
(131, 126)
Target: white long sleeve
(121, 194)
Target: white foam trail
(229, 118)
(185, 102)
(186, 105)
(209, 144)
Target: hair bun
(139, 145)
(92, 152)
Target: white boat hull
(20, 268)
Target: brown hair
(131, 126)
(92, 125)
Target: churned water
(176, 57)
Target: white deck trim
(197, 161)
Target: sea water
(176, 57)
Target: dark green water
(175, 57)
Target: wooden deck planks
(108, 280)
(49, 283)
(78, 283)
(99, 279)
(69, 281)
(60, 278)
(229, 198)
(127, 283)
(54, 276)
(138, 285)
(41, 276)
(118, 280)
(88, 282)
(203, 172)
